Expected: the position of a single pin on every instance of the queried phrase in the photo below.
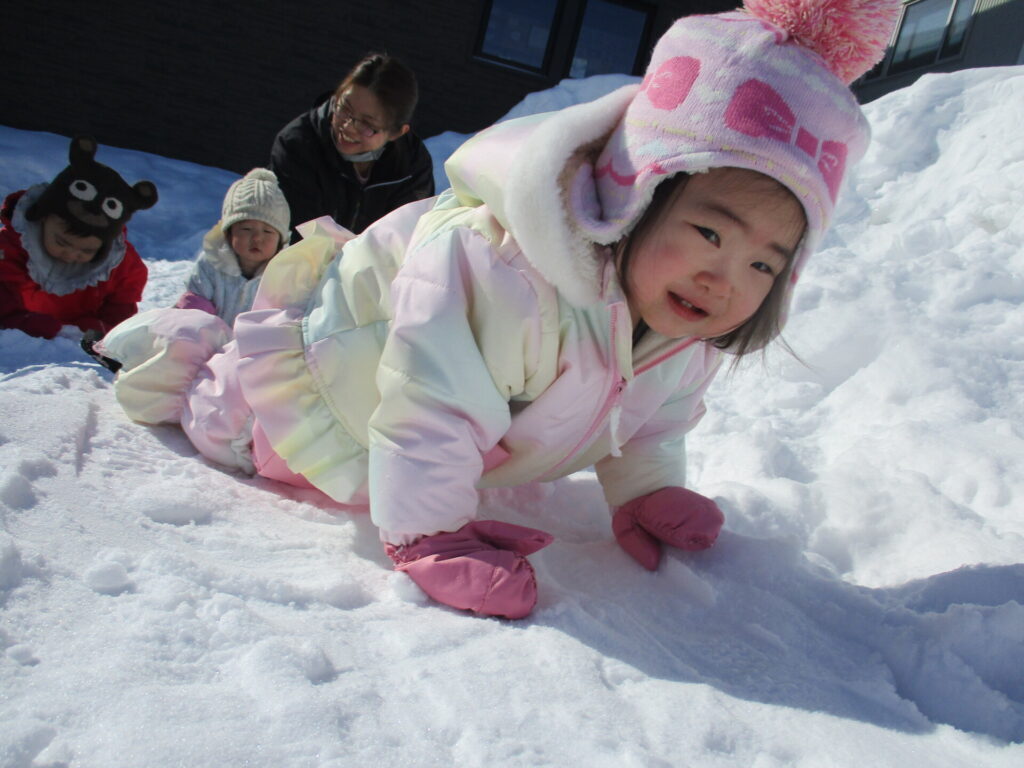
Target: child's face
(62, 245)
(711, 260)
(254, 243)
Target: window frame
(643, 44)
(884, 69)
(566, 27)
(490, 58)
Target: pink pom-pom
(850, 35)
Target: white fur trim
(539, 215)
(218, 252)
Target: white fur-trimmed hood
(534, 173)
(217, 252)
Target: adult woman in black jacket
(353, 157)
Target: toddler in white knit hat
(253, 228)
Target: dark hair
(78, 228)
(393, 83)
(766, 322)
(71, 226)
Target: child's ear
(145, 191)
(82, 149)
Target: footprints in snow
(60, 433)
(18, 480)
(170, 502)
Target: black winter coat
(318, 181)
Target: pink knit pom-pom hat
(764, 88)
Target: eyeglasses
(343, 116)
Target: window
(519, 31)
(609, 39)
(567, 38)
(931, 30)
(957, 28)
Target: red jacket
(27, 306)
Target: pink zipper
(614, 396)
(611, 400)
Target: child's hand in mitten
(190, 300)
(481, 567)
(675, 516)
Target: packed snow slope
(864, 606)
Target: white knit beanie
(257, 196)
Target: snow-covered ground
(864, 607)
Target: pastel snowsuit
(216, 283)
(469, 341)
(39, 294)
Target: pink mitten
(676, 516)
(190, 300)
(481, 567)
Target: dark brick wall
(212, 82)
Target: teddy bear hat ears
(81, 153)
(92, 197)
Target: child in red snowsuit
(64, 255)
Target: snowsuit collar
(51, 275)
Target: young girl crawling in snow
(565, 304)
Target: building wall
(213, 82)
(999, 33)
(995, 38)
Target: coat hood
(531, 174)
(217, 252)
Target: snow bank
(863, 606)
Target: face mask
(366, 157)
